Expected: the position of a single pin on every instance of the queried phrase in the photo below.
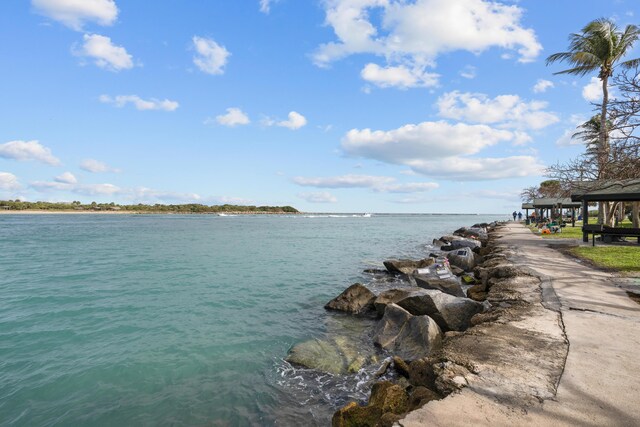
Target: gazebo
(550, 203)
(606, 191)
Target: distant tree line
(19, 205)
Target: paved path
(600, 385)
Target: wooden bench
(608, 232)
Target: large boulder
(406, 266)
(450, 313)
(479, 233)
(448, 286)
(336, 356)
(410, 337)
(355, 299)
(386, 399)
(463, 258)
(389, 297)
(461, 243)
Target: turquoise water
(180, 320)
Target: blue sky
(325, 105)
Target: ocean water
(183, 320)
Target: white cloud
(475, 169)
(417, 32)
(9, 182)
(592, 92)
(442, 150)
(94, 166)
(345, 181)
(424, 140)
(380, 184)
(295, 121)
(210, 57)
(400, 76)
(542, 86)
(318, 197)
(265, 5)
(75, 13)
(104, 53)
(234, 200)
(139, 103)
(566, 139)
(148, 194)
(28, 150)
(468, 72)
(66, 178)
(234, 117)
(508, 111)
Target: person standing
(514, 215)
(519, 216)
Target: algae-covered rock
(389, 397)
(421, 373)
(355, 299)
(420, 396)
(401, 366)
(405, 335)
(354, 415)
(336, 356)
(386, 398)
(406, 266)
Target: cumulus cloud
(28, 150)
(75, 13)
(592, 92)
(380, 184)
(474, 169)
(210, 57)
(442, 150)
(94, 166)
(295, 121)
(104, 53)
(508, 111)
(424, 140)
(542, 86)
(139, 103)
(9, 182)
(318, 197)
(416, 33)
(234, 117)
(399, 76)
(66, 178)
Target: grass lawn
(623, 258)
(568, 232)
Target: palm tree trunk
(635, 214)
(603, 148)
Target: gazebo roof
(554, 202)
(627, 190)
(528, 206)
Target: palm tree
(589, 133)
(599, 47)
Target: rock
(448, 286)
(450, 377)
(463, 258)
(405, 335)
(420, 396)
(389, 397)
(477, 292)
(421, 373)
(465, 243)
(389, 420)
(389, 297)
(401, 366)
(355, 299)
(374, 271)
(449, 312)
(406, 266)
(353, 415)
(484, 317)
(457, 271)
(337, 356)
(386, 398)
(383, 368)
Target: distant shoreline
(76, 212)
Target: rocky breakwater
(415, 323)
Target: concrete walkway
(600, 385)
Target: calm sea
(182, 320)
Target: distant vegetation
(17, 205)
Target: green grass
(622, 258)
(570, 232)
